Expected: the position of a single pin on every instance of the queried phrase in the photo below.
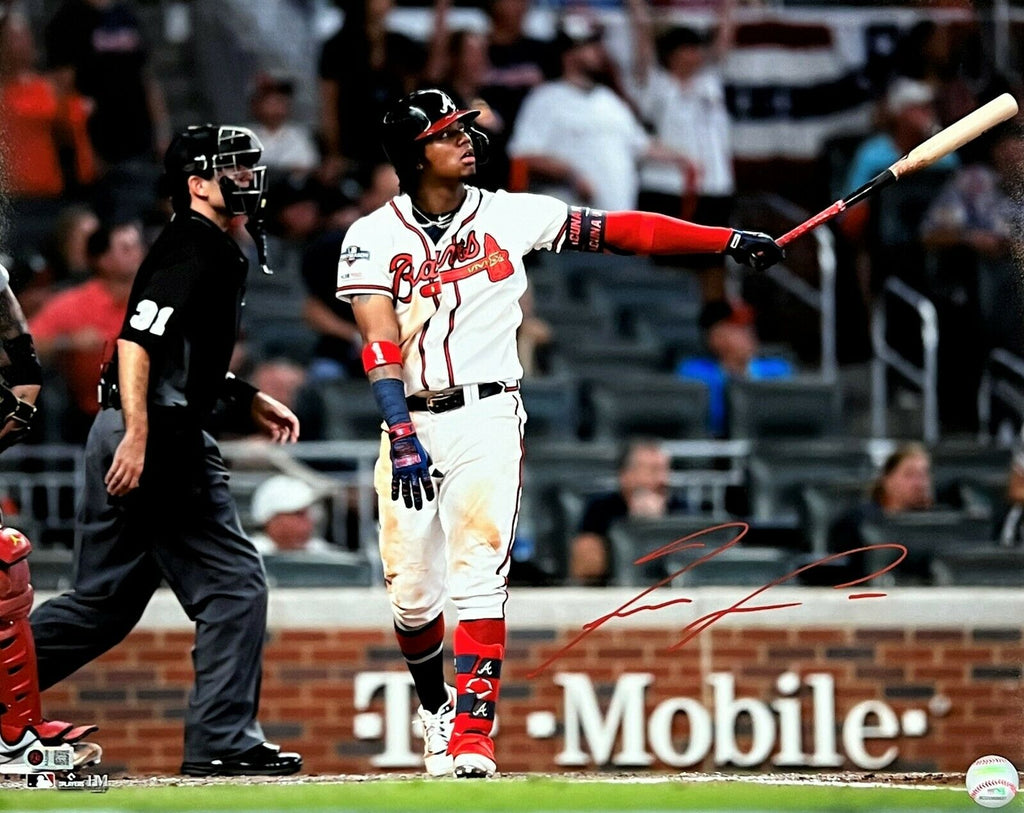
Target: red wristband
(379, 354)
(401, 430)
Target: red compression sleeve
(648, 233)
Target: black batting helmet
(418, 116)
(208, 149)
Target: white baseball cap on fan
(904, 93)
(281, 494)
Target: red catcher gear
(20, 706)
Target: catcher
(28, 742)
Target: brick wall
(137, 692)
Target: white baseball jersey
(457, 301)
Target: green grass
(529, 794)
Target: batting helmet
(208, 150)
(418, 116)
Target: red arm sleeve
(648, 233)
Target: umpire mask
(228, 153)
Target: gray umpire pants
(180, 525)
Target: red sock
(479, 649)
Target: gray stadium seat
(51, 569)
(633, 538)
(351, 413)
(980, 567)
(339, 569)
(821, 504)
(553, 405)
(925, 534)
(662, 406)
(795, 408)
(779, 470)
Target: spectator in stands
(38, 126)
(76, 330)
(1010, 531)
(272, 320)
(533, 338)
(731, 337)
(887, 227)
(67, 255)
(643, 492)
(459, 59)
(903, 484)
(362, 68)
(98, 48)
(287, 511)
(519, 63)
(286, 381)
(976, 220)
(288, 146)
(337, 351)
(678, 89)
(579, 135)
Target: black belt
(451, 399)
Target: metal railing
(1002, 380)
(822, 299)
(924, 377)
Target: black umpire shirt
(185, 309)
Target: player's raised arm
(382, 360)
(648, 233)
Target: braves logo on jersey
(464, 260)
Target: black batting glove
(410, 467)
(755, 249)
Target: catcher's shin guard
(478, 682)
(27, 740)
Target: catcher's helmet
(208, 150)
(418, 116)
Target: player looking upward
(434, 277)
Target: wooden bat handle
(812, 223)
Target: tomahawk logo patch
(353, 253)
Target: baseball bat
(924, 154)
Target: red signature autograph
(697, 626)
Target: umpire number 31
(149, 316)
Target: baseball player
(22, 726)
(155, 504)
(434, 278)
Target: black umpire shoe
(265, 759)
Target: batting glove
(410, 466)
(755, 249)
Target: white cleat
(30, 754)
(474, 766)
(437, 733)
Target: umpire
(156, 504)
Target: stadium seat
(980, 567)
(332, 569)
(821, 504)
(925, 534)
(351, 413)
(633, 538)
(661, 406)
(51, 569)
(553, 406)
(780, 469)
(798, 407)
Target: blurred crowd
(84, 124)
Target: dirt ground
(917, 780)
